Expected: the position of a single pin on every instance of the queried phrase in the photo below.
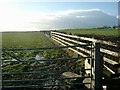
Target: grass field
(105, 32)
(38, 39)
(25, 39)
(33, 40)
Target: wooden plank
(109, 69)
(74, 41)
(112, 53)
(86, 38)
(72, 48)
(109, 61)
(70, 74)
(75, 51)
(85, 50)
(102, 50)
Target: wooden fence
(109, 50)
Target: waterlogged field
(105, 32)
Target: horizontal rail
(101, 49)
(109, 52)
(47, 67)
(77, 42)
(48, 85)
(109, 61)
(38, 72)
(44, 48)
(109, 69)
(34, 72)
(74, 41)
(85, 38)
(37, 80)
(65, 38)
(56, 59)
(71, 48)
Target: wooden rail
(110, 56)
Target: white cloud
(81, 16)
(84, 19)
(118, 17)
(12, 18)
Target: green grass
(34, 40)
(25, 39)
(105, 32)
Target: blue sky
(110, 7)
(19, 16)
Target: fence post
(0, 61)
(0, 70)
(98, 68)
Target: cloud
(15, 19)
(81, 16)
(80, 19)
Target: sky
(35, 16)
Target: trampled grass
(105, 32)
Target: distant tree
(109, 27)
(114, 27)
